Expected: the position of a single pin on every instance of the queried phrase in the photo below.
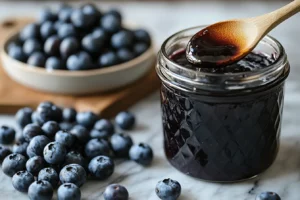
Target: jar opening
(194, 79)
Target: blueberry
(57, 25)
(64, 15)
(104, 125)
(68, 191)
(93, 43)
(4, 151)
(268, 196)
(69, 46)
(13, 44)
(74, 157)
(17, 53)
(50, 175)
(125, 120)
(122, 39)
(19, 137)
(23, 116)
(111, 23)
(22, 180)
(13, 163)
(81, 133)
(121, 144)
(101, 167)
(31, 130)
(115, 13)
(125, 55)
(54, 153)
(40, 190)
(91, 9)
(20, 148)
(142, 36)
(37, 59)
(51, 46)
(99, 134)
(54, 63)
(47, 29)
(65, 138)
(73, 173)
(81, 19)
(141, 153)
(46, 15)
(57, 111)
(69, 114)
(96, 147)
(79, 61)
(31, 45)
(7, 135)
(140, 48)
(168, 189)
(35, 164)
(86, 119)
(30, 31)
(37, 145)
(66, 30)
(49, 112)
(50, 128)
(36, 119)
(108, 59)
(115, 192)
(67, 126)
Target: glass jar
(221, 127)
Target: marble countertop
(163, 19)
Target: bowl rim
(149, 53)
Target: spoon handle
(267, 22)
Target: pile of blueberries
(78, 39)
(60, 148)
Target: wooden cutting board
(14, 96)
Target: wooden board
(13, 96)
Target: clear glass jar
(221, 127)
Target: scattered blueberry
(96, 147)
(4, 151)
(7, 135)
(17, 53)
(35, 164)
(141, 153)
(139, 48)
(268, 196)
(101, 167)
(111, 23)
(66, 30)
(121, 144)
(99, 134)
(122, 39)
(40, 190)
(50, 175)
(79, 61)
(31, 46)
(57, 113)
(23, 116)
(125, 55)
(20, 148)
(46, 15)
(104, 125)
(115, 192)
(67, 126)
(19, 137)
(81, 133)
(74, 157)
(143, 36)
(168, 189)
(31, 130)
(37, 59)
(37, 145)
(52, 45)
(65, 138)
(50, 128)
(73, 173)
(54, 153)
(108, 59)
(125, 120)
(69, 46)
(22, 180)
(69, 114)
(13, 163)
(47, 29)
(36, 119)
(86, 119)
(46, 111)
(30, 31)
(68, 191)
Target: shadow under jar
(222, 125)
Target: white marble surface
(163, 19)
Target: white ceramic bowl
(77, 82)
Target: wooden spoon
(227, 42)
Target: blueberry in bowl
(77, 51)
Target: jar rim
(275, 69)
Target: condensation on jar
(221, 125)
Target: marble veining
(282, 177)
